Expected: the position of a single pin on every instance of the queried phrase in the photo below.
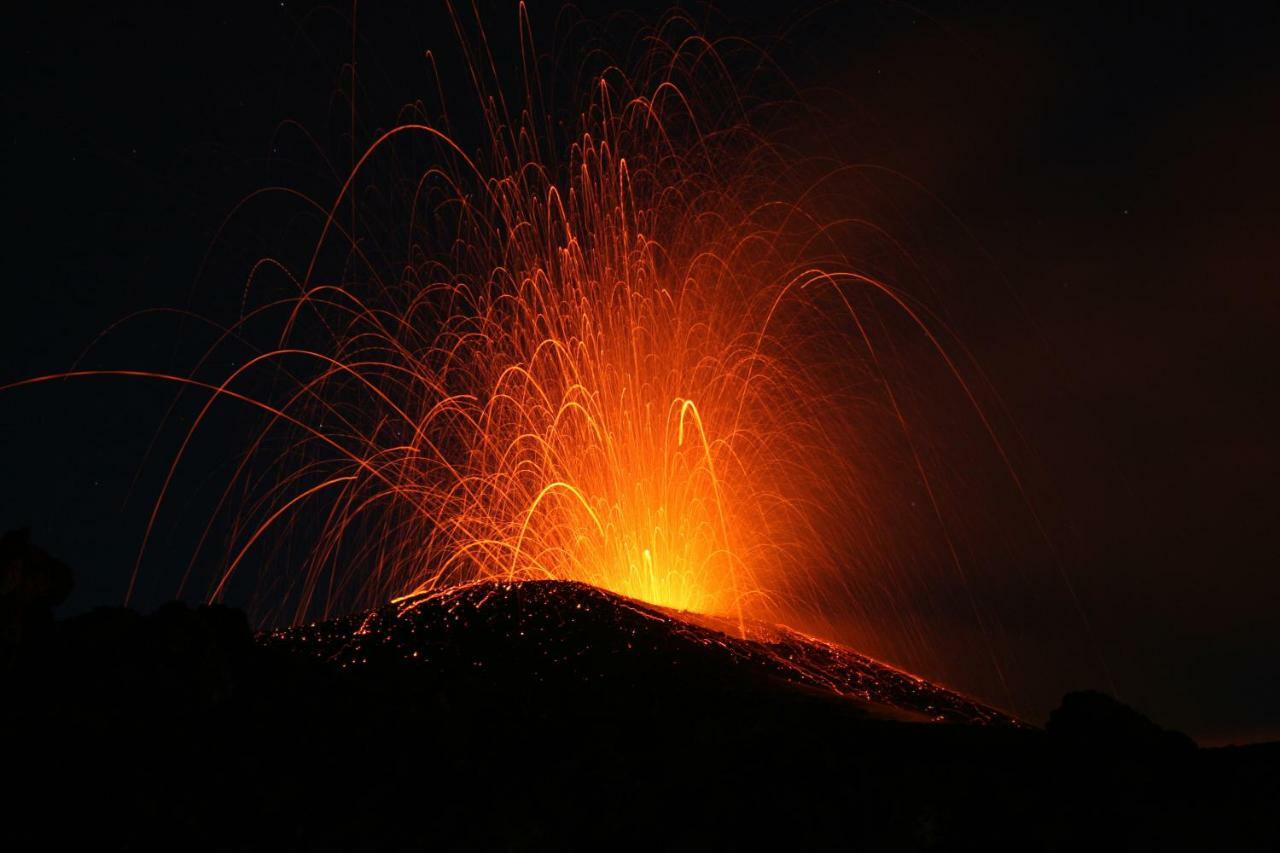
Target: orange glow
(631, 354)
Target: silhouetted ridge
(1090, 720)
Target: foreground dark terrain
(547, 715)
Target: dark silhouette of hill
(564, 635)
(551, 716)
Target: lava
(627, 351)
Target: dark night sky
(1112, 165)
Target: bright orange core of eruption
(607, 391)
(641, 511)
(604, 474)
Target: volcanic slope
(564, 635)
(554, 716)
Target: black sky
(1111, 167)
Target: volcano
(565, 635)
(553, 715)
